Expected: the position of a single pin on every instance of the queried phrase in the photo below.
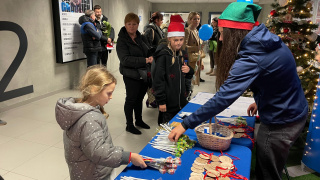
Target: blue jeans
(273, 144)
(92, 58)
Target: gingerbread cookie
(225, 159)
(204, 157)
(215, 158)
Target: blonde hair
(192, 15)
(131, 17)
(174, 53)
(94, 81)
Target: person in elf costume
(252, 57)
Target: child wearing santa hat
(171, 71)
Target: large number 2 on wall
(10, 26)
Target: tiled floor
(31, 146)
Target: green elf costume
(266, 66)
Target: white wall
(39, 67)
(116, 10)
(204, 8)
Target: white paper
(238, 108)
(201, 98)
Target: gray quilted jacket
(88, 146)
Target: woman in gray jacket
(89, 151)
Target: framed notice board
(68, 41)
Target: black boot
(132, 129)
(142, 124)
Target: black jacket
(132, 56)
(169, 83)
(104, 41)
(88, 31)
(214, 36)
(153, 34)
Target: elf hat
(240, 15)
(175, 29)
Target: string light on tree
(297, 34)
(290, 20)
(310, 155)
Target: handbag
(145, 74)
(202, 54)
(194, 56)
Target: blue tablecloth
(239, 148)
(183, 172)
(191, 107)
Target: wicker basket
(213, 142)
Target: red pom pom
(273, 12)
(286, 30)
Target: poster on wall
(68, 41)
(213, 15)
(166, 17)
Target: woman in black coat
(135, 64)
(154, 34)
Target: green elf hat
(240, 15)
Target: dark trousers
(92, 58)
(211, 55)
(135, 91)
(165, 117)
(103, 57)
(273, 144)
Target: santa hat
(176, 27)
(240, 15)
(176, 18)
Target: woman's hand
(252, 109)
(149, 60)
(137, 160)
(109, 41)
(163, 108)
(185, 68)
(176, 133)
(202, 66)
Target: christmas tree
(290, 20)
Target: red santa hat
(176, 18)
(176, 27)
